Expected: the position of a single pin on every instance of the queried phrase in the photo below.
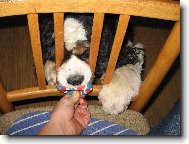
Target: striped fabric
(31, 123)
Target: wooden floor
(17, 66)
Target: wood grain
(163, 63)
(169, 10)
(95, 39)
(36, 48)
(59, 37)
(118, 40)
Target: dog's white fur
(50, 72)
(73, 66)
(124, 86)
(73, 32)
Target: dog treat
(84, 90)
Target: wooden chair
(165, 10)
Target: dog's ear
(81, 47)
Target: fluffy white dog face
(74, 72)
(75, 69)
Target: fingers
(83, 103)
(86, 117)
(83, 116)
(75, 99)
(71, 99)
(82, 108)
(84, 111)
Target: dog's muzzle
(75, 79)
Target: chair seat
(130, 119)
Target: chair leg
(5, 105)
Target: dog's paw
(50, 72)
(112, 100)
(124, 86)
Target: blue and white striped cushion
(31, 123)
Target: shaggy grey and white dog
(75, 70)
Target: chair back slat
(95, 39)
(59, 37)
(36, 48)
(118, 40)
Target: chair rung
(34, 92)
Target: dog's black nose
(75, 79)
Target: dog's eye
(78, 51)
(81, 47)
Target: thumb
(74, 98)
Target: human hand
(69, 117)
